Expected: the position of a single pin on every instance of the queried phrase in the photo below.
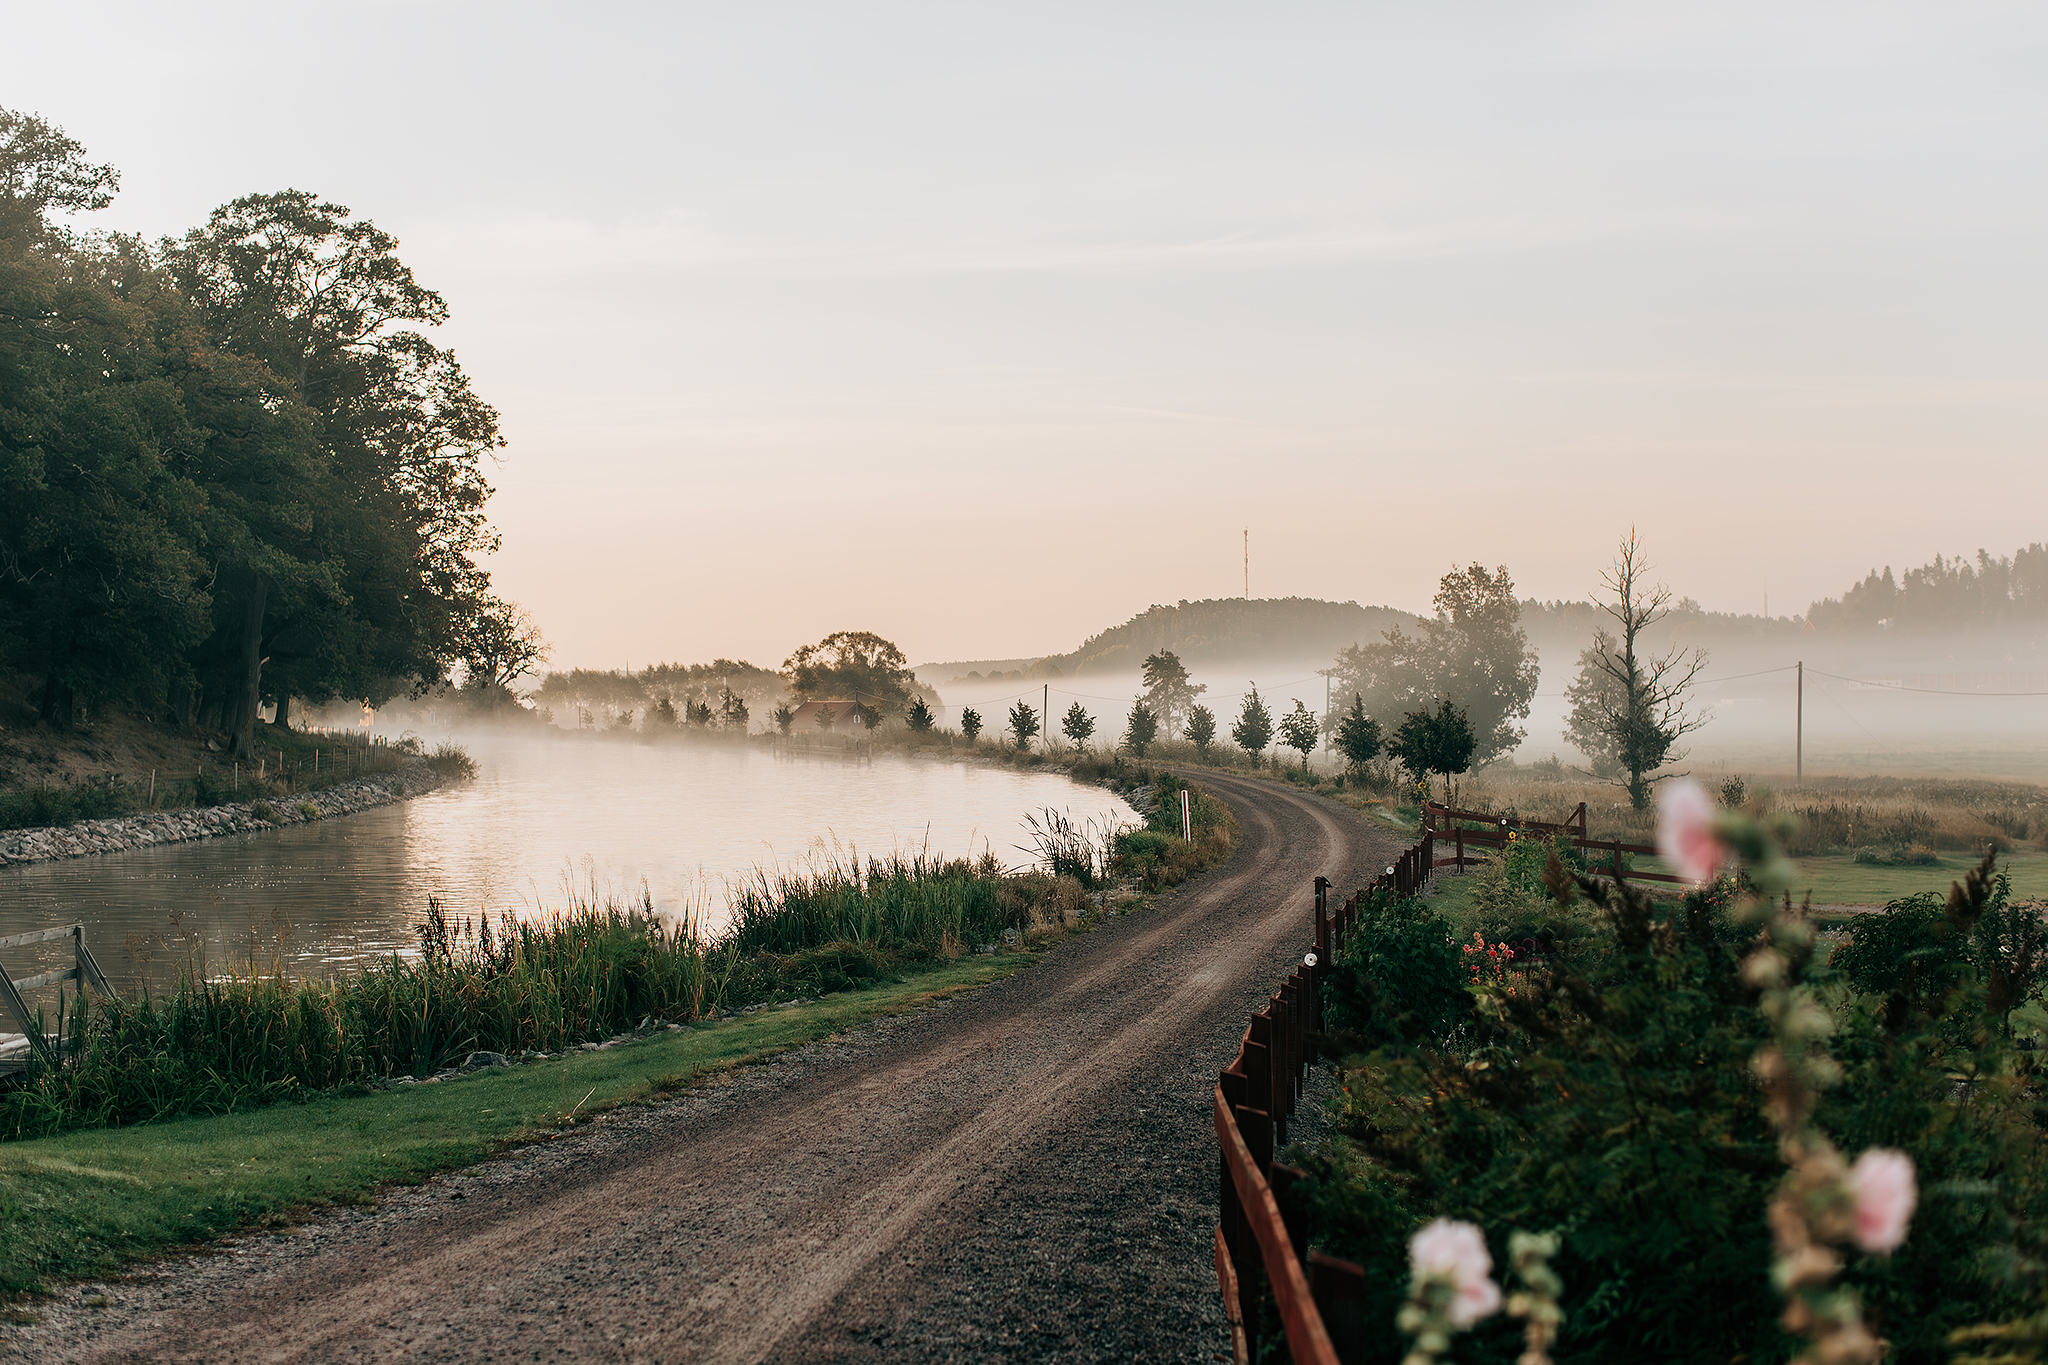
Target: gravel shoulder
(1023, 1173)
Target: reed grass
(255, 1032)
(916, 906)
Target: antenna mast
(1247, 563)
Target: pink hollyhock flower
(1685, 832)
(1882, 1182)
(1457, 1252)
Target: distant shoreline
(151, 829)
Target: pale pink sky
(986, 326)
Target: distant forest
(235, 470)
(1946, 594)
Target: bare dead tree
(1632, 704)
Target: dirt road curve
(1026, 1173)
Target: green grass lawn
(1843, 881)
(86, 1202)
(1837, 880)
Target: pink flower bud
(1882, 1183)
(1457, 1252)
(1685, 832)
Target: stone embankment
(177, 826)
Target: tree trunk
(283, 720)
(242, 712)
(55, 709)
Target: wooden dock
(83, 971)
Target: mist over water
(541, 813)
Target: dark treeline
(235, 470)
(1946, 594)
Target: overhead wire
(1930, 691)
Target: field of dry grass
(1831, 815)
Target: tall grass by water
(917, 906)
(256, 1032)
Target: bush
(1399, 977)
(452, 761)
(1157, 855)
(1909, 855)
(1609, 1096)
(96, 800)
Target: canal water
(545, 819)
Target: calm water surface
(541, 817)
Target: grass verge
(86, 1203)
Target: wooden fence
(83, 970)
(1484, 829)
(1263, 1262)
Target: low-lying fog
(1860, 716)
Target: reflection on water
(541, 813)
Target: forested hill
(1220, 631)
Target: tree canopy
(1358, 736)
(235, 470)
(1141, 727)
(1078, 725)
(1439, 741)
(1169, 692)
(1024, 723)
(1300, 730)
(855, 665)
(1630, 705)
(1474, 652)
(1254, 728)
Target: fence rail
(82, 970)
(1452, 826)
(1262, 1250)
(1262, 1254)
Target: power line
(1738, 677)
(1931, 691)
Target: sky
(986, 326)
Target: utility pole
(1045, 716)
(1799, 728)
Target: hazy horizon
(985, 330)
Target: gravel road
(1024, 1173)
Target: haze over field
(981, 329)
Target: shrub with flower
(1488, 963)
(1615, 1097)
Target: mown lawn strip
(86, 1203)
